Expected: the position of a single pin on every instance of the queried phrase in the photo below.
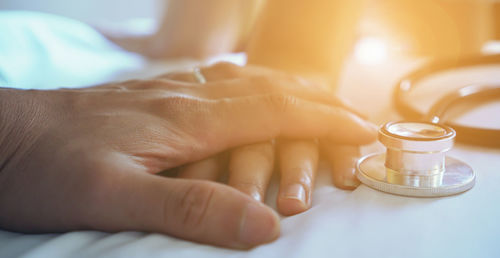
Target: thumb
(195, 210)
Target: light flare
(371, 51)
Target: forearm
(305, 37)
(196, 29)
(204, 28)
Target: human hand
(87, 158)
(251, 166)
(191, 28)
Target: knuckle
(186, 77)
(146, 84)
(248, 184)
(156, 82)
(134, 83)
(228, 68)
(176, 105)
(264, 85)
(298, 80)
(311, 84)
(281, 103)
(304, 82)
(262, 82)
(194, 205)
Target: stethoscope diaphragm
(415, 163)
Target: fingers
(255, 80)
(250, 168)
(298, 165)
(206, 169)
(342, 160)
(195, 210)
(254, 119)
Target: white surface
(361, 223)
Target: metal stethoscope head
(415, 163)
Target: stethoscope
(415, 162)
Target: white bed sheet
(361, 223)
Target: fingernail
(297, 192)
(259, 225)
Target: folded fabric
(45, 51)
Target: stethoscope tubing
(465, 134)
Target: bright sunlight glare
(371, 51)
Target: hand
(251, 166)
(192, 28)
(87, 158)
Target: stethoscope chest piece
(415, 163)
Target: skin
(88, 158)
(250, 167)
(314, 47)
(194, 29)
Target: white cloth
(36, 47)
(361, 223)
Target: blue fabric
(45, 51)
